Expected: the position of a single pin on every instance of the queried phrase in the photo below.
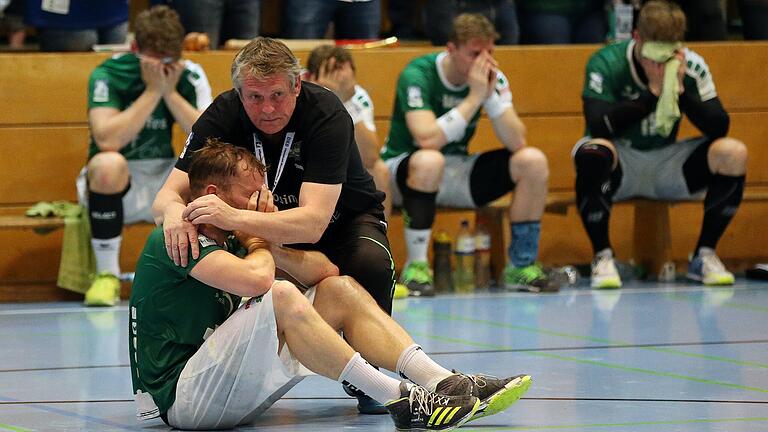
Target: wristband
(494, 106)
(453, 125)
(355, 110)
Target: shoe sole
(504, 398)
(715, 282)
(467, 417)
(606, 284)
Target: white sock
(107, 252)
(415, 364)
(417, 244)
(374, 383)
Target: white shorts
(147, 177)
(654, 174)
(454, 191)
(237, 373)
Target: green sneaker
(104, 291)
(417, 276)
(529, 278)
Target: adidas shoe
(495, 394)
(417, 276)
(104, 290)
(422, 410)
(707, 268)
(529, 278)
(604, 272)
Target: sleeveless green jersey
(422, 86)
(117, 83)
(171, 314)
(611, 76)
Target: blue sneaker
(707, 268)
(365, 403)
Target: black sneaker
(495, 394)
(365, 403)
(422, 410)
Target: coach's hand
(180, 237)
(210, 209)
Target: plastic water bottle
(464, 274)
(441, 263)
(482, 257)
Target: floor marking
(449, 317)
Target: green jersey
(117, 83)
(171, 315)
(612, 76)
(422, 86)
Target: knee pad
(593, 162)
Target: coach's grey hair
(263, 57)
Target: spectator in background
(220, 19)
(133, 100)
(352, 19)
(754, 18)
(439, 15)
(562, 21)
(437, 108)
(78, 25)
(333, 68)
(705, 18)
(12, 23)
(634, 94)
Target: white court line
(39, 311)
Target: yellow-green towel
(667, 110)
(77, 260)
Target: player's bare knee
(288, 300)
(529, 163)
(728, 156)
(108, 172)
(425, 169)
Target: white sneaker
(604, 273)
(707, 268)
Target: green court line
(609, 425)
(14, 428)
(595, 363)
(449, 317)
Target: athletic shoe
(529, 278)
(104, 290)
(495, 394)
(365, 403)
(707, 268)
(417, 276)
(604, 273)
(421, 410)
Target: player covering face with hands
(200, 364)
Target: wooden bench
(44, 134)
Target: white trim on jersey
(201, 84)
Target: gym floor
(649, 357)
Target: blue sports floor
(650, 357)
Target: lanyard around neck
(258, 149)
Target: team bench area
(44, 134)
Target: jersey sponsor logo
(154, 123)
(630, 93)
(596, 82)
(286, 199)
(414, 97)
(100, 91)
(451, 101)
